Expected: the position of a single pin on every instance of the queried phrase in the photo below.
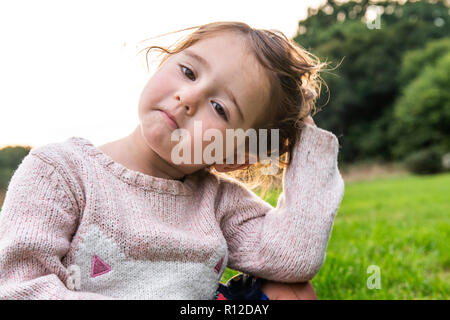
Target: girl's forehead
(224, 48)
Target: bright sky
(69, 68)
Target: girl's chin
(157, 138)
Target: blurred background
(73, 69)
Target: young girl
(122, 221)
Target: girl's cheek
(161, 87)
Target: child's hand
(309, 120)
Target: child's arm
(287, 243)
(37, 221)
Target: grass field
(401, 225)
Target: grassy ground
(401, 225)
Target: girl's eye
(188, 73)
(220, 110)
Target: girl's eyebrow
(208, 66)
(197, 57)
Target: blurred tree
(10, 158)
(365, 85)
(422, 113)
(415, 61)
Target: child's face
(202, 90)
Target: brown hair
(296, 84)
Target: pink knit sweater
(77, 225)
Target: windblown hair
(295, 86)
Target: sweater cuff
(314, 144)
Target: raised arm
(37, 221)
(287, 243)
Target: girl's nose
(183, 104)
(188, 100)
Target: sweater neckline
(135, 178)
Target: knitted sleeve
(287, 243)
(37, 221)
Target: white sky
(69, 68)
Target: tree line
(387, 93)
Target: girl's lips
(169, 119)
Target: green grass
(401, 225)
